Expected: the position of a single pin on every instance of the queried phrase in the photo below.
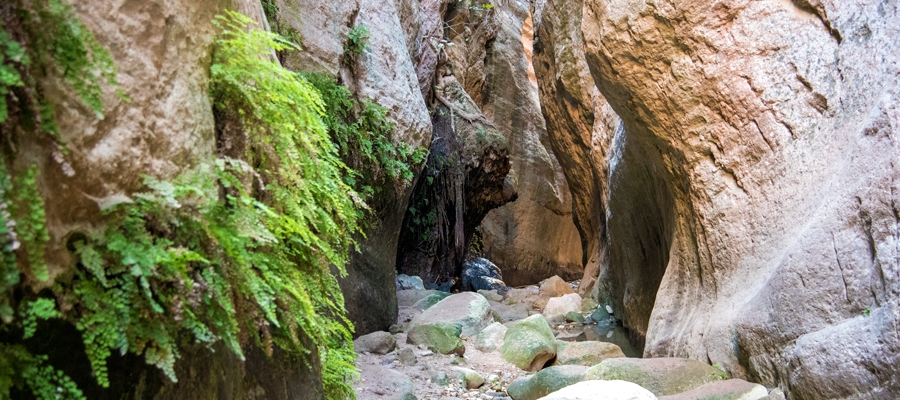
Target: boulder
(587, 353)
(439, 337)
(601, 390)
(529, 343)
(491, 295)
(732, 389)
(601, 315)
(379, 342)
(491, 338)
(406, 282)
(512, 312)
(662, 376)
(433, 297)
(470, 378)
(588, 305)
(378, 382)
(573, 316)
(408, 297)
(469, 311)
(545, 381)
(562, 305)
(555, 287)
(481, 274)
(407, 356)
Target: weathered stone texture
(534, 237)
(754, 214)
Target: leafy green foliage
(357, 41)
(32, 311)
(313, 213)
(11, 53)
(58, 45)
(31, 226)
(362, 134)
(22, 370)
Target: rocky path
(526, 344)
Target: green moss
(440, 337)
(362, 134)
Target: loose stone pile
(520, 345)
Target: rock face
(580, 125)
(533, 237)
(662, 376)
(746, 208)
(385, 74)
(162, 51)
(758, 171)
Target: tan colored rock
(533, 237)
(162, 50)
(555, 286)
(753, 191)
(562, 305)
(580, 125)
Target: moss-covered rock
(439, 337)
(588, 353)
(529, 343)
(573, 316)
(662, 376)
(546, 381)
(429, 300)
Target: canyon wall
(384, 73)
(751, 202)
(534, 237)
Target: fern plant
(362, 134)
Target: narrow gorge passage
(449, 199)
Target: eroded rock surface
(533, 237)
(750, 197)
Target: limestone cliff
(750, 201)
(534, 237)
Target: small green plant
(58, 45)
(722, 374)
(24, 371)
(867, 311)
(362, 134)
(357, 41)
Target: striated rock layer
(752, 196)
